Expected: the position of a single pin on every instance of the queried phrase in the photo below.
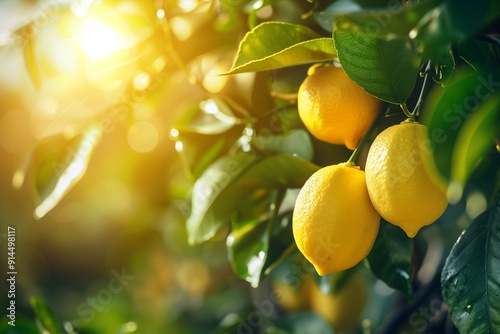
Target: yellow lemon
(334, 222)
(343, 309)
(334, 108)
(400, 185)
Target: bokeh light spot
(143, 137)
(213, 81)
(476, 203)
(181, 28)
(187, 5)
(142, 81)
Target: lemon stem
(406, 111)
(421, 95)
(354, 155)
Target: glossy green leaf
(224, 184)
(257, 245)
(470, 279)
(390, 258)
(46, 320)
(390, 20)
(198, 150)
(278, 171)
(451, 21)
(273, 45)
(281, 243)
(385, 69)
(66, 174)
(215, 118)
(295, 142)
(476, 137)
(247, 249)
(55, 165)
(446, 111)
(216, 195)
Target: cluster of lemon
(337, 212)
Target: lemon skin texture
(334, 108)
(400, 184)
(334, 223)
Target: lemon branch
(354, 155)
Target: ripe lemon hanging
(334, 222)
(399, 182)
(334, 108)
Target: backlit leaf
(63, 175)
(447, 111)
(476, 137)
(273, 45)
(216, 195)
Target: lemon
(335, 109)
(343, 309)
(400, 185)
(292, 298)
(334, 223)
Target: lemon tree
(327, 165)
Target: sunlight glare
(98, 39)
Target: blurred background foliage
(127, 96)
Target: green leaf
(247, 246)
(200, 150)
(216, 118)
(46, 320)
(223, 185)
(447, 110)
(390, 258)
(470, 279)
(278, 171)
(255, 246)
(476, 137)
(55, 165)
(273, 45)
(449, 22)
(55, 178)
(295, 142)
(389, 20)
(216, 195)
(385, 69)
